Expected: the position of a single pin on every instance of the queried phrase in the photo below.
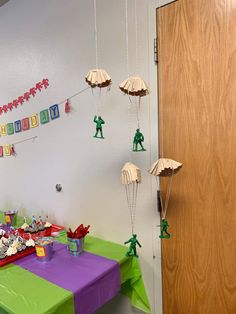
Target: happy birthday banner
(33, 121)
(26, 124)
(26, 97)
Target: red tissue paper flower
(0, 110)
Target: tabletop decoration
(10, 216)
(44, 249)
(76, 239)
(102, 264)
(12, 245)
(37, 227)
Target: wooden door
(197, 118)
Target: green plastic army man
(138, 139)
(132, 248)
(164, 226)
(99, 122)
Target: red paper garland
(21, 99)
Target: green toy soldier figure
(132, 248)
(164, 226)
(138, 139)
(99, 122)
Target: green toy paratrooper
(132, 248)
(164, 226)
(99, 122)
(138, 139)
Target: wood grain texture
(197, 118)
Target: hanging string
(93, 90)
(127, 36)
(136, 36)
(95, 32)
(129, 204)
(100, 102)
(130, 141)
(131, 200)
(136, 104)
(135, 193)
(20, 142)
(130, 137)
(167, 199)
(137, 107)
(74, 95)
(28, 139)
(97, 98)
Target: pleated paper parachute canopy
(130, 174)
(135, 86)
(165, 167)
(98, 78)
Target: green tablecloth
(21, 292)
(131, 279)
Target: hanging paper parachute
(165, 167)
(131, 178)
(130, 174)
(98, 78)
(134, 86)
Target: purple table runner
(93, 279)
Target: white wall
(55, 39)
(164, 2)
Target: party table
(69, 284)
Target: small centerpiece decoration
(76, 239)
